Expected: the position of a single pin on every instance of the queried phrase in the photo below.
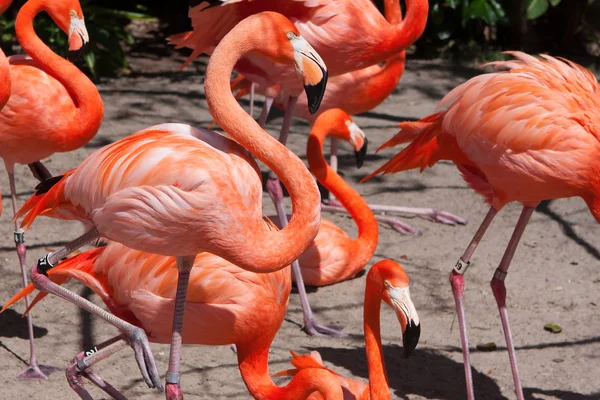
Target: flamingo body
(526, 134)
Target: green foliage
(537, 8)
(105, 54)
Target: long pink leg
(262, 119)
(173, 391)
(395, 224)
(136, 336)
(431, 213)
(33, 370)
(81, 368)
(457, 281)
(499, 290)
(252, 87)
(274, 189)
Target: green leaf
(554, 3)
(481, 9)
(553, 328)
(536, 8)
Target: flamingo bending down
(351, 34)
(175, 190)
(227, 301)
(527, 134)
(333, 256)
(387, 282)
(224, 300)
(53, 107)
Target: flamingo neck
(276, 248)
(378, 382)
(4, 80)
(253, 360)
(368, 234)
(401, 34)
(89, 108)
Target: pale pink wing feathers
(512, 124)
(223, 300)
(144, 191)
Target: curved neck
(378, 382)
(89, 106)
(357, 207)
(4, 80)
(281, 247)
(253, 360)
(402, 34)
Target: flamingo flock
(188, 256)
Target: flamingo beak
(409, 319)
(311, 67)
(78, 38)
(359, 140)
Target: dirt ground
(554, 277)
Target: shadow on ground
(13, 325)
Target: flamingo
(350, 34)
(528, 133)
(179, 191)
(229, 301)
(224, 300)
(386, 282)
(333, 256)
(52, 105)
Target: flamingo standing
(225, 301)
(179, 191)
(350, 34)
(527, 134)
(53, 107)
(386, 282)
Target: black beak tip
(74, 55)
(410, 338)
(361, 154)
(315, 93)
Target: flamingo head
(285, 45)
(338, 125)
(397, 295)
(69, 18)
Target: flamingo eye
(72, 14)
(291, 35)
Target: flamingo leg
(274, 188)
(262, 120)
(499, 290)
(33, 370)
(173, 391)
(136, 336)
(82, 368)
(395, 224)
(457, 281)
(333, 163)
(252, 87)
(431, 213)
(40, 172)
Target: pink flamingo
(355, 92)
(350, 34)
(386, 282)
(179, 191)
(53, 105)
(526, 134)
(224, 300)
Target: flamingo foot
(173, 391)
(313, 328)
(36, 371)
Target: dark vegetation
(463, 30)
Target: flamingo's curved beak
(359, 141)
(78, 38)
(311, 67)
(407, 314)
